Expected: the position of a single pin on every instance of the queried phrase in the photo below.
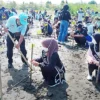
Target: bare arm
(73, 35)
(79, 35)
(21, 39)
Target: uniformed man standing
(16, 26)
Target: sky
(53, 1)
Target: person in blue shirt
(16, 26)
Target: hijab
(51, 45)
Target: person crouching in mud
(81, 37)
(51, 66)
(93, 58)
(16, 26)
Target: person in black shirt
(51, 66)
(64, 24)
(81, 35)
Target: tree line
(49, 6)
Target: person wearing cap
(16, 26)
(81, 35)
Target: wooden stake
(31, 64)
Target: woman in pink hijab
(51, 66)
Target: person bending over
(51, 66)
(93, 60)
(16, 26)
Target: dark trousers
(97, 38)
(47, 74)
(80, 40)
(27, 30)
(91, 68)
(10, 46)
(50, 78)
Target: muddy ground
(74, 59)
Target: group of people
(6, 13)
(49, 62)
(4, 16)
(52, 68)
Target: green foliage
(62, 3)
(75, 7)
(92, 2)
(49, 6)
(1, 3)
(13, 4)
(23, 6)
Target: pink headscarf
(52, 46)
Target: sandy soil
(76, 87)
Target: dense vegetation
(49, 6)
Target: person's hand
(72, 35)
(91, 61)
(35, 63)
(17, 46)
(5, 30)
(96, 62)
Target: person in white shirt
(88, 11)
(80, 15)
(90, 27)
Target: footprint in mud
(76, 55)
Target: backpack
(64, 15)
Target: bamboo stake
(31, 64)
(25, 61)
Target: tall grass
(75, 7)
